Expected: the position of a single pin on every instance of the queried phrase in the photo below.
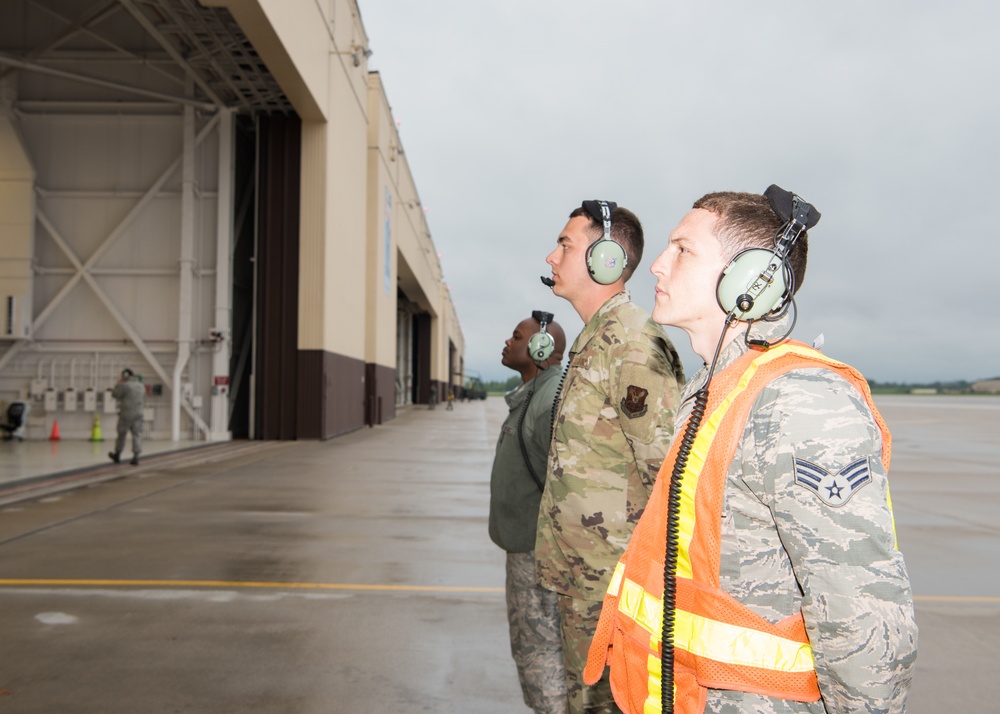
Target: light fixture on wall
(356, 52)
(360, 51)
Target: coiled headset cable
(555, 402)
(673, 526)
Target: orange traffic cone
(54, 436)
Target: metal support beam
(223, 282)
(149, 27)
(41, 69)
(150, 194)
(127, 221)
(95, 13)
(185, 334)
(112, 308)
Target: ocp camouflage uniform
(789, 546)
(614, 422)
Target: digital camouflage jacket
(794, 537)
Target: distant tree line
(498, 387)
(960, 387)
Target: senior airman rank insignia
(634, 402)
(833, 489)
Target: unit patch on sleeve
(634, 402)
(833, 489)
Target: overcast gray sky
(885, 115)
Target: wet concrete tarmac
(356, 575)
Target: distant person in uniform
(131, 397)
(451, 399)
(786, 592)
(516, 485)
(432, 399)
(613, 422)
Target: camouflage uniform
(532, 616)
(789, 546)
(613, 424)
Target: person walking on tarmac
(131, 397)
(534, 350)
(613, 422)
(783, 591)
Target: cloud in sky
(884, 115)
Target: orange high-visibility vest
(719, 643)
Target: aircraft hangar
(214, 194)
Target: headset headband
(601, 212)
(797, 215)
(789, 207)
(541, 317)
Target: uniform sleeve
(645, 393)
(814, 458)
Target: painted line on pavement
(33, 582)
(61, 582)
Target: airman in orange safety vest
(790, 595)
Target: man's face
(569, 259)
(687, 273)
(515, 352)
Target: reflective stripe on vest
(718, 642)
(705, 637)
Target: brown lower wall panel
(380, 394)
(331, 391)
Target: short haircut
(626, 230)
(746, 220)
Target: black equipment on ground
(13, 428)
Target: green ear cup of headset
(541, 346)
(738, 283)
(606, 261)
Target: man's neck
(705, 341)
(529, 373)
(587, 305)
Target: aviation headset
(606, 258)
(541, 345)
(752, 286)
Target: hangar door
(136, 125)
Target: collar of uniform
(518, 394)
(737, 348)
(515, 396)
(594, 324)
